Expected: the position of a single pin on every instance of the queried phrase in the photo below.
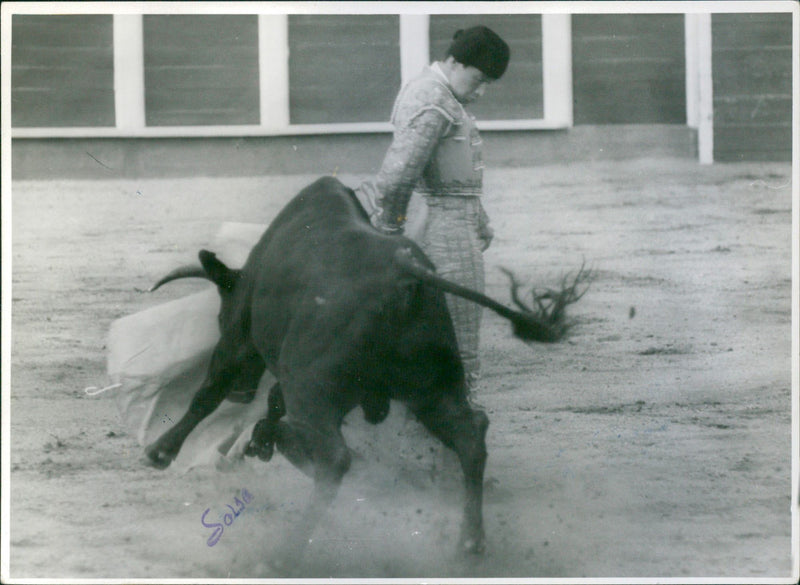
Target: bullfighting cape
(160, 357)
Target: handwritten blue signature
(227, 519)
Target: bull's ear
(217, 272)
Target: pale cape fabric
(160, 357)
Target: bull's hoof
(158, 458)
(262, 441)
(263, 451)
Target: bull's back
(321, 276)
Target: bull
(345, 316)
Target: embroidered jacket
(436, 148)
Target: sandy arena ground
(655, 442)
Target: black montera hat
(482, 48)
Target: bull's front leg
(165, 449)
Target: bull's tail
(547, 323)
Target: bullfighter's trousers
(451, 241)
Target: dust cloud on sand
(656, 442)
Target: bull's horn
(182, 272)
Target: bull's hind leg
(262, 442)
(463, 429)
(318, 451)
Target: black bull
(343, 316)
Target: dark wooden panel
(736, 18)
(519, 93)
(765, 68)
(638, 69)
(366, 31)
(62, 31)
(752, 30)
(752, 70)
(631, 46)
(60, 108)
(214, 77)
(754, 109)
(310, 107)
(622, 25)
(232, 57)
(628, 69)
(343, 68)
(62, 71)
(192, 107)
(654, 101)
(200, 30)
(201, 70)
(753, 143)
(43, 77)
(29, 57)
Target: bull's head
(211, 268)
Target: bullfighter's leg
(452, 242)
(223, 374)
(463, 429)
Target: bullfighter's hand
(386, 228)
(486, 237)
(485, 232)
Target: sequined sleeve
(411, 149)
